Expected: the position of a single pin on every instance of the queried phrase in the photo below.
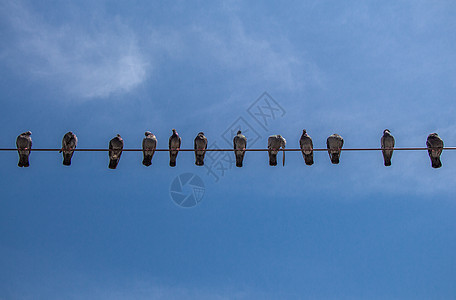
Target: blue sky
(356, 230)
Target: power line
(224, 150)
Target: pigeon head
(201, 133)
(118, 135)
(304, 131)
(239, 132)
(147, 133)
(386, 131)
(28, 133)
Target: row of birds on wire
(334, 145)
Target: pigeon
(69, 143)
(435, 148)
(115, 147)
(24, 144)
(387, 142)
(240, 143)
(149, 144)
(174, 145)
(200, 147)
(334, 143)
(274, 144)
(307, 148)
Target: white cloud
(88, 63)
(261, 60)
(95, 58)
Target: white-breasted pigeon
(149, 145)
(239, 143)
(435, 148)
(275, 142)
(387, 142)
(307, 148)
(334, 145)
(69, 143)
(174, 145)
(200, 149)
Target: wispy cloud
(264, 60)
(105, 55)
(87, 63)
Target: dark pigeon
(115, 147)
(334, 145)
(200, 149)
(69, 143)
(174, 145)
(149, 145)
(387, 142)
(307, 148)
(239, 143)
(435, 148)
(24, 144)
(274, 144)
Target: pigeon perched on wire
(307, 148)
(200, 149)
(149, 145)
(24, 144)
(387, 142)
(435, 148)
(334, 145)
(275, 142)
(239, 143)
(115, 151)
(174, 145)
(69, 143)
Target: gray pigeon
(24, 144)
(239, 143)
(69, 143)
(307, 148)
(274, 144)
(115, 147)
(200, 147)
(387, 142)
(435, 148)
(174, 145)
(334, 145)
(149, 145)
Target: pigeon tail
(335, 158)
(172, 158)
(436, 163)
(67, 159)
(239, 159)
(113, 163)
(199, 160)
(308, 158)
(147, 161)
(273, 159)
(23, 160)
(387, 158)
